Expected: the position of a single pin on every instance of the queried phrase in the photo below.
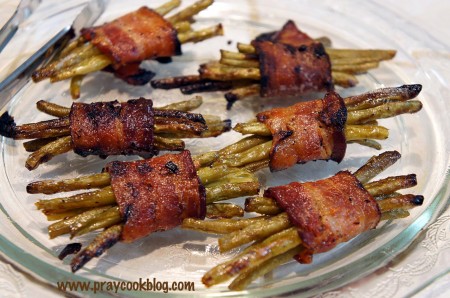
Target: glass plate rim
(14, 252)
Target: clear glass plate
(181, 255)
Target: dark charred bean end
(156, 84)
(80, 152)
(107, 244)
(81, 260)
(7, 126)
(164, 60)
(206, 86)
(30, 188)
(226, 125)
(175, 82)
(194, 117)
(329, 86)
(139, 79)
(71, 248)
(395, 155)
(188, 90)
(413, 90)
(231, 99)
(85, 256)
(412, 178)
(172, 167)
(417, 200)
(247, 204)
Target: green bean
(227, 191)
(394, 214)
(48, 151)
(85, 182)
(384, 111)
(104, 220)
(219, 226)
(185, 106)
(242, 145)
(52, 109)
(255, 232)
(168, 7)
(255, 128)
(262, 205)
(375, 165)
(250, 274)
(102, 197)
(391, 184)
(257, 254)
(200, 35)
(101, 243)
(223, 210)
(257, 153)
(190, 11)
(361, 132)
(400, 202)
(65, 226)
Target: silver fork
(22, 75)
(23, 11)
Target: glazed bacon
(135, 37)
(120, 46)
(292, 63)
(112, 128)
(156, 194)
(306, 131)
(281, 63)
(132, 199)
(300, 219)
(327, 212)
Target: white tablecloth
(423, 270)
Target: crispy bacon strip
(306, 131)
(134, 37)
(112, 128)
(287, 70)
(292, 63)
(156, 194)
(327, 212)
